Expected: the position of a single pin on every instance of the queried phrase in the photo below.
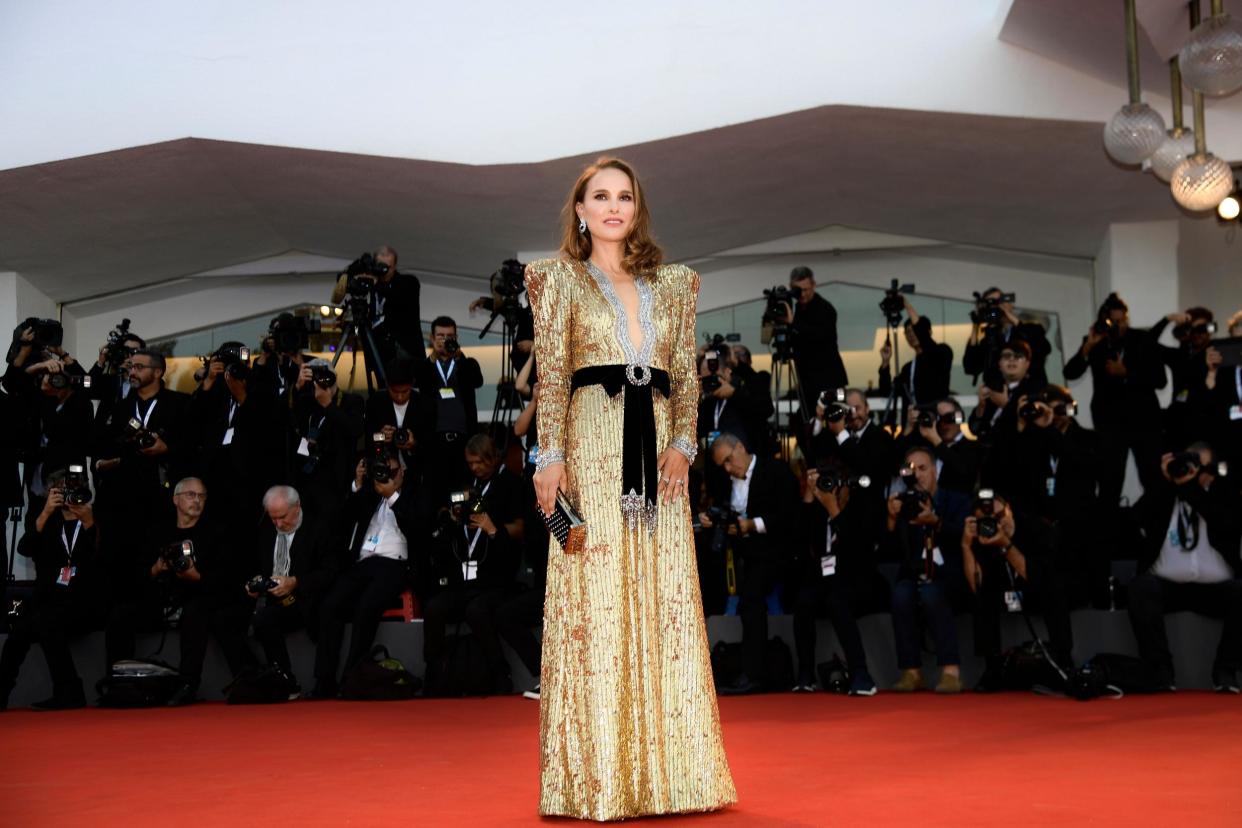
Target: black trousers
(477, 607)
(515, 618)
(272, 622)
(445, 470)
(52, 623)
(757, 578)
(1117, 438)
(1043, 589)
(1152, 596)
(359, 597)
(842, 601)
(226, 618)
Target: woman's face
(608, 206)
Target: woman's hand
(548, 481)
(674, 474)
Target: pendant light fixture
(1212, 56)
(1202, 180)
(1136, 130)
(1179, 141)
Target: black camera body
(401, 435)
(912, 501)
(116, 353)
(260, 584)
(48, 333)
(66, 380)
(136, 433)
(987, 526)
(364, 265)
(710, 384)
(722, 517)
(1183, 463)
(378, 469)
(179, 555)
(323, 375)
(290, 334)
(509, 280)
(988, 309)
(892, 305)
(228, 354)
(777, 296)
(830, 479)
(77, 487)
(835, 407)
(451, 345)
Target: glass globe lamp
(1229, 208)
(1178, 144)
(1200, 182)
(1133, 134)
(1211, 59)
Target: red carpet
(797, 760)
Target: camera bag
(1112, 674)
(379, 677)
(136, 683)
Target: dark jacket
(255, 457)
(984, 356)
(49, 555)
(361, 507)
(744, 414)
(324, 472)
(398, 302)
(931, 370)
(66, 427)
(1219, 507)
(907, 542)
(380, 413)
(1029, 461)
(816, 353)
(311, 559)
(498, 558)
(1129, 401)
(467, 376)
(854, 535)
(140, 473)
(774, 497)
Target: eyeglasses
(192, 495)
(134, 366)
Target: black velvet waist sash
(638, 457)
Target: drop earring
(581, 225)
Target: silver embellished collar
(632, 357)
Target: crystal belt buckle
(637, 374)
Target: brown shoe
(949, 684)
(910, 681)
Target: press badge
(1235, 412)
(448, 394)
(828, 565)
(228, 437)
(1013, 601)
(304, 447)
(711, 436)
(371, 543)
(66, 575)
(1051, 485)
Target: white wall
(1209, 260)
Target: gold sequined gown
(628, 718)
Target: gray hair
(286, 493)
(726, 441)
(181, 484)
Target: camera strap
(1187, 526)
(470, 566)
(720, 407)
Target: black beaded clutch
(566, 525)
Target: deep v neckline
(640, 355)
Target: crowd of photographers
(268, 501)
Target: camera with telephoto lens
(228, 353)
(711, 383)
(779, 295)
(179, 556)
(378, 468)
(135, 432)
(364, 265)
(115, 353)
(1183, 463)
(722, 517)
(48, 333)
(987, 525)
(451, 345)
(289, 334)
(988, 309)
(830, 479)
(76, 486)
(323, 375)
(66, 380)
(401, 435)
(462, 504)
(912, 498)
(1030, 411)
(835, 407)
(892, 305)
(1196, 326)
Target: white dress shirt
(741, 495)
(384, 538)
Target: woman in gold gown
(628, 718)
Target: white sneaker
(532, 694)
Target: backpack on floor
(834, 676)
(1112, 674)
(265, 685)
(137, 683)
(379, 677)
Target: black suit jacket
(816, 352)
(1124, 400)
(466, 378)
(931, 370)
(310, 558)
(984, 356)
(380, 413)
(398, 299)
(361, 507)
(139, 473)
(854, 538)
(499, 557)
(66, 426)
(774, 498)
(1219, 507)
(331, 438)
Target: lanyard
(828, 541)
(69, 545)
(1053, 462)
(1237, 378)
(444, 376)
(914, 363)
(720, 406)
(150, 409)
(477, 532)
(232, 411)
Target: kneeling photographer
(68, 595)
(475, 553)
(384, 302)
(836, 574)
(186, 575)
(760, 499)
(1007, 562)
(923, 530)
(383, 523)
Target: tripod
(506, 391)
(890, 404)
(356, 331)
(785, 377)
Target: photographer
(925, 378)
(923, 527)
(392, 307)
(110, 373)
(140, 454)
(12, 432)
(383, 522)
(322, 443)
(1188, 560)
(1126, 372)
(762, 497)
(1008, 566)
(67, 597)
(837, 576)
(475, 558)
(508, 283)
(728, 403)
(1050, 472)
(940, 427)
(244, 439)
(186, 574)
(844, 429)
(813, 335)
(280, 369)
(293, 568)
(996, 324)
(395, 415)
(447, 412)
(1191, 404)
(996, 414)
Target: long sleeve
(683, 378)
(551, 306)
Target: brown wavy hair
(642, 254)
